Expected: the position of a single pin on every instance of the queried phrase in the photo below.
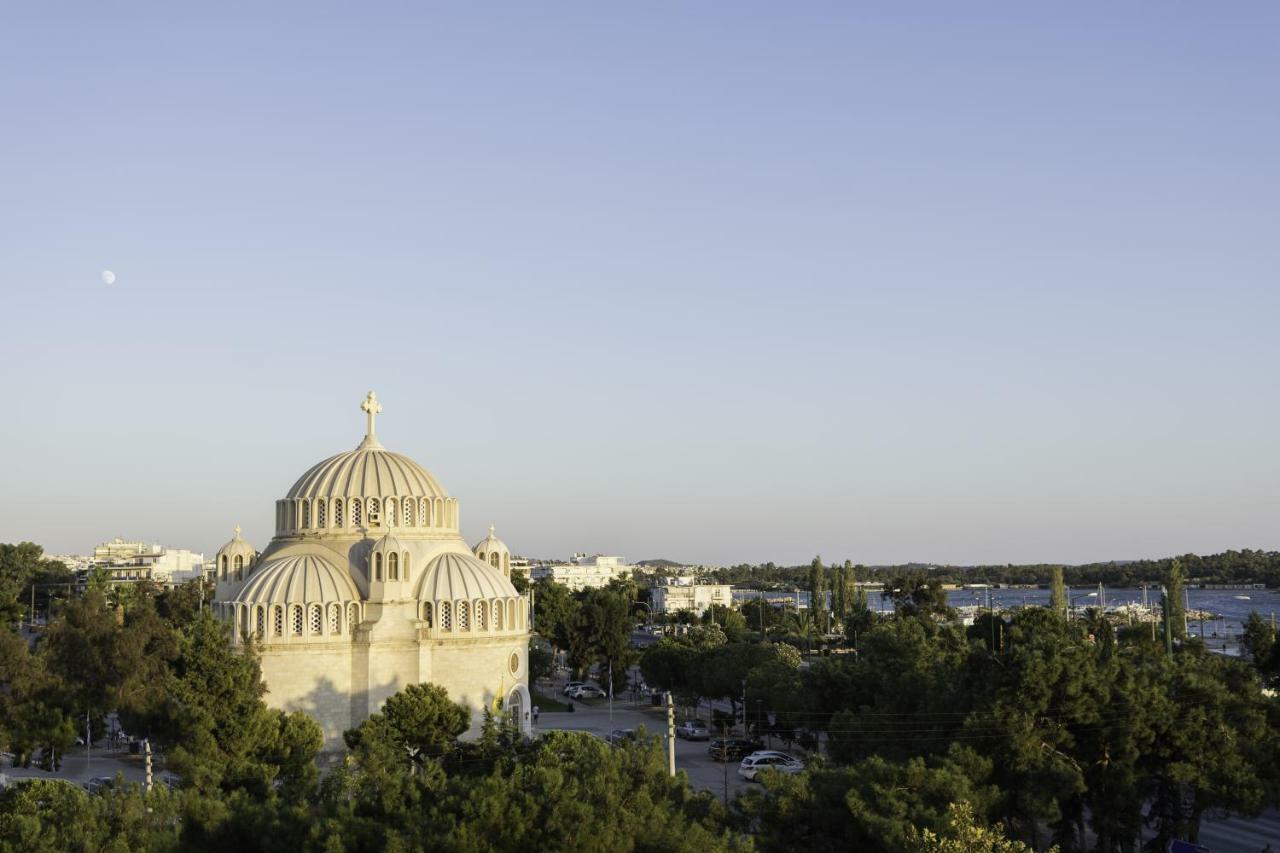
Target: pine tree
(1177, 612)
(817, 590)
(1058, 594)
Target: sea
(1225, 609)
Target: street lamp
(1071, 599)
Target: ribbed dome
(238, 547)
(461, 576)
(367, 471)
(298, 579)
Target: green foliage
(1176, 596)
(22, 565)
(541, 659)
(965, 835)
(417, 725)
(1058, 592)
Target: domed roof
(453, 576)
(388, 542)
(237, 546)
(297, 579)
(368, 471)
(491, 543)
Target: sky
(715, 282)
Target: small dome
(388, 544)
(238, 547)
(490, 544)
(298, 579)
(461, 576)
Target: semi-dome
(300, 579)
(453, 576)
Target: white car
(587, 691)
(572, 686)
(753, 764)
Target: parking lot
(691, 756)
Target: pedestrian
(570, 707)
(536, 711)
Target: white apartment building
(696, 597)
(135, 561)
(583, 572)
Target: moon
(108, 277)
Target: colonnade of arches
(396, 563)
(314, 514)
(500, 561)
(479, 616)
(233, 568)
(278, 623)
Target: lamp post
(1071, 599)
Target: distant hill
(660, 564)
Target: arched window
(224, 566)
(377, 566)
(373, 512)
(260, 622)
(506, 564)
(424, 516)
(317, 618)
(320, 519)
(352, 613)
(463, 622)
(511, 614)
(391, 512)
(239, 567)
(497, 616)
(437, 513)
(426, 613)
(297, 620)
(337, 513)
(335, 618)
(393, 566)
(277, 621)
(355, 513)
(480, 620)
(493, 559)
(404, 564)
(410, 512)
(306, 513)
(244, 621)
(446, 622)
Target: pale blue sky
(719, 282)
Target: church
(367, 587)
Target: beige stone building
(367, 587)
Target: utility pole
(146, 747)
(1168, 623)
(671, 736)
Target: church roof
(491, 543)
(368, 471)
(461, 576)
(297, 579)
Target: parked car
(587, 691)
(99, 783)
(618, 736)
(693, 730)
(753, 765)
(732, 749)
(572, 686)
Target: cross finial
(237, 531)
(371, 407)
(490, 531)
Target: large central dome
(366, 472)
(368, 487)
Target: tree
(965, 835)
(541, 659)
(1259, 643)
(554, 612)
(1058, 592)
(1176, 599)
(817, 594)
(22, 565)
(733, 623)
(417, 725)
